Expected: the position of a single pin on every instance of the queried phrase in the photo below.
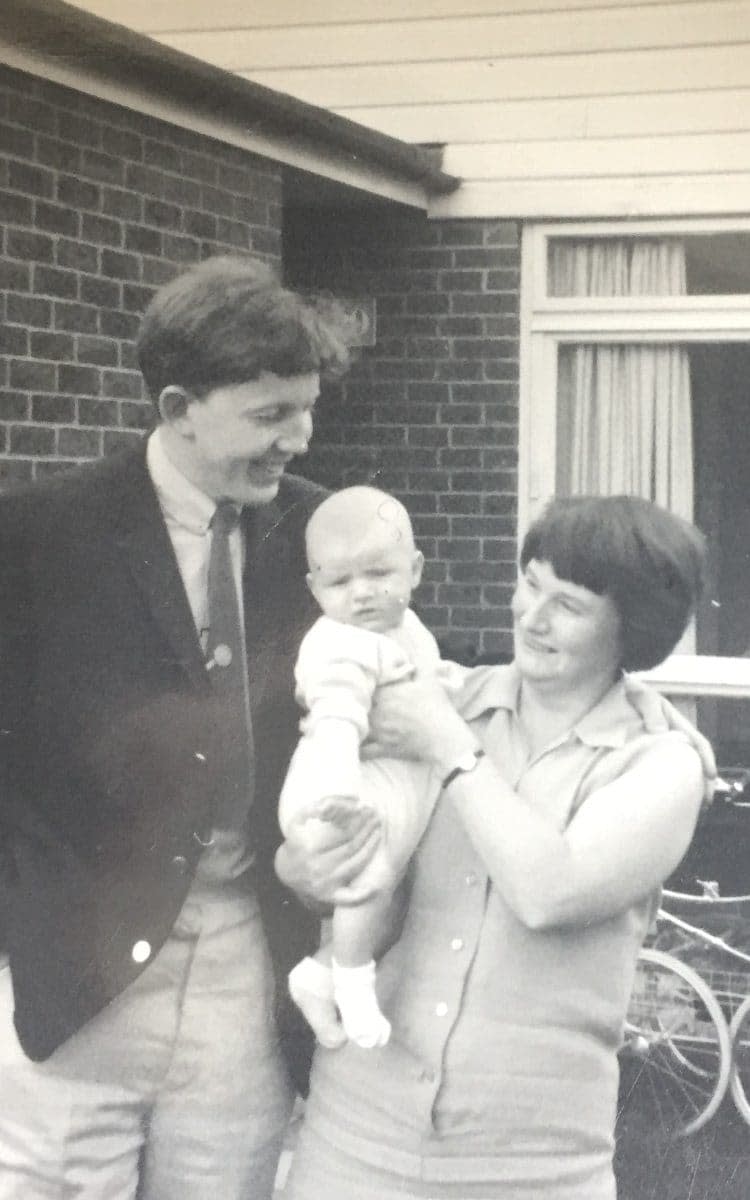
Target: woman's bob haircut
(649, 562)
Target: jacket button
(180, 863)
(141, 952)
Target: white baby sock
(311, 989)
(354, 992)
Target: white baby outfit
(338, 669)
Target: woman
(532, 890)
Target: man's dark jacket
(111, 750)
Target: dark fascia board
(60, 31)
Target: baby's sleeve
(338, 669)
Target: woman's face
(565, 636)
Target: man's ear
(173, 403)
(417, 566)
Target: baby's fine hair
(355, 509)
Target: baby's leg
(357, 933)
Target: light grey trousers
(177, 1091)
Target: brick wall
(431, 411)
(98, 206)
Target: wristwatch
(468, 762)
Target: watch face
(467, 762)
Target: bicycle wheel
(676, 1059)
(739, 1080)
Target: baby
(363, 567)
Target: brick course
(99, 206)
(431, 411)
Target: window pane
(670, 422)
(692, 264)
(719, 374)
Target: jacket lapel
(266, 545)
(266, 553)
(143, 539)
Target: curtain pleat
(625, 413)
(624, 410)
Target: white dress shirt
(188, 513)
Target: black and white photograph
(375, 600)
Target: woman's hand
(415, 719)
(323, 854)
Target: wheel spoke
(740, 1077)
(678, 1037)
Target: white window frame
(550, 321)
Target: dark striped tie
(228, 672)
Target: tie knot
(225, 518)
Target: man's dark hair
(648, 561)
(227, 320)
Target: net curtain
(624, 410)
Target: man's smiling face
(235, 442)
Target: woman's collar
(611, 722)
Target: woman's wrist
(465, 765)
(452, 751)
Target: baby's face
(368, 584)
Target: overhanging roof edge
(56, 30)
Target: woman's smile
(535, 645)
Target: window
(697, 264)
(635, 377)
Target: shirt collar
(611, 722)
(181, 501)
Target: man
(151, 607)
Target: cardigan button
(441, 1009)
(141, 952)
(180, 863)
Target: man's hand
(326, 849)
(659, 716)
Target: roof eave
(55, 30)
